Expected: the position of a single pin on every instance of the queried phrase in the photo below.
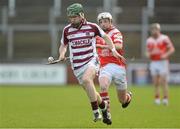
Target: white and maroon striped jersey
(82, 42)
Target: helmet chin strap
(81, 15)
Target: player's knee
(86, 80)
(104, 89)
(104, 85)
(156, 83)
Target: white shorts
(159, 68)
(94, 62)
(115, 73)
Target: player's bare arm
(104, 46)
(147, 54)
(170, 51)
(108, 41)
(62, 51)
(112, 47)
(118, 46)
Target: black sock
(94, 106)
(102, 105)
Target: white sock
(95, 111)
(157, 101)
(165, 101)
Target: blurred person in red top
(111, 69)
(158, 49)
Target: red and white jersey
(105, 55)
(157, 47)
(82, 42)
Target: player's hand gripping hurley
(117, 55)
(52, 61)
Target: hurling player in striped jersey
(79, 36)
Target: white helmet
(103, 16)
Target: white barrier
(137, 73)
(32, 74)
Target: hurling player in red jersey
(159, 49)
(112, 69)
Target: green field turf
(65, 107)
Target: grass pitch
(68, 107)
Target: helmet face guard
(75, 10)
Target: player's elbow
(119, 46)
(147, 54)
(172, 50)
